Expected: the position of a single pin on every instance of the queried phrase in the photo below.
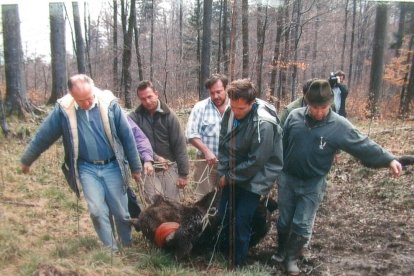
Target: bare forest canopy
(177, 44)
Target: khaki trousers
(206, 178)
(162, 183)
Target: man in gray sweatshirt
(311, 137)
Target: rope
(141, 192)
(218, 237)
(206, 219)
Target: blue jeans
(298, 202)
(246, 205)
(104, 192)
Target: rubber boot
(293, 248)
(280, 255)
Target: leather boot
(280, 255)
(293, 248)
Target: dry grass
(365, 225)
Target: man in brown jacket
(161, 126)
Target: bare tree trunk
(16, 93)
(315, 41)
(361, 44)
(219, 37)
(80, 45)
(152, 41)
(377, 66)
(165, 61)
(225, 37)
(87, 24)
(298, 5)
(124, 17)
(58, 49)
(115, 80)
(126, 57)
(410, 90)
(137, 52)
(181, 31)
(285, 55)
(206, 47)
(401, 27)
(404, 99)
(345, 31)
(199, 47)
(3, 122)
(276, 54)
(179, 75)
(245, 38)
(261, 37)
(351, 52)
(233, 40)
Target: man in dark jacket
(311, 137)
(250, 158)
(99, 146)
(340, 91)
(161, 126)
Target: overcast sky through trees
(35, 30)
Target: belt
(101, 162)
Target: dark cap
(319, 93)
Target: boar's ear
(406, 160)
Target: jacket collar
(162, 108)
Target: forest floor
(365, 225)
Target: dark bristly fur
(190, 237)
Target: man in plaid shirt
(203, 132)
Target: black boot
(280, 255)
(293, 248)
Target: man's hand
(163, 162)
(148, 168)
(136, 176)
(210, 157)
(223, 181)
(208, 154)
(395, 168)
(182, 182)
(25, 168)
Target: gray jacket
(61, 122)
(310, 146)
(255, 147)
(165, 135)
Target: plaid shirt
(204, 123)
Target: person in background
(312, 136)
(203, 132)
(299, 102)
(146, 155)
(144, 148)
(340, 91)
(250, 159)
(99, 146)
(161, 126)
